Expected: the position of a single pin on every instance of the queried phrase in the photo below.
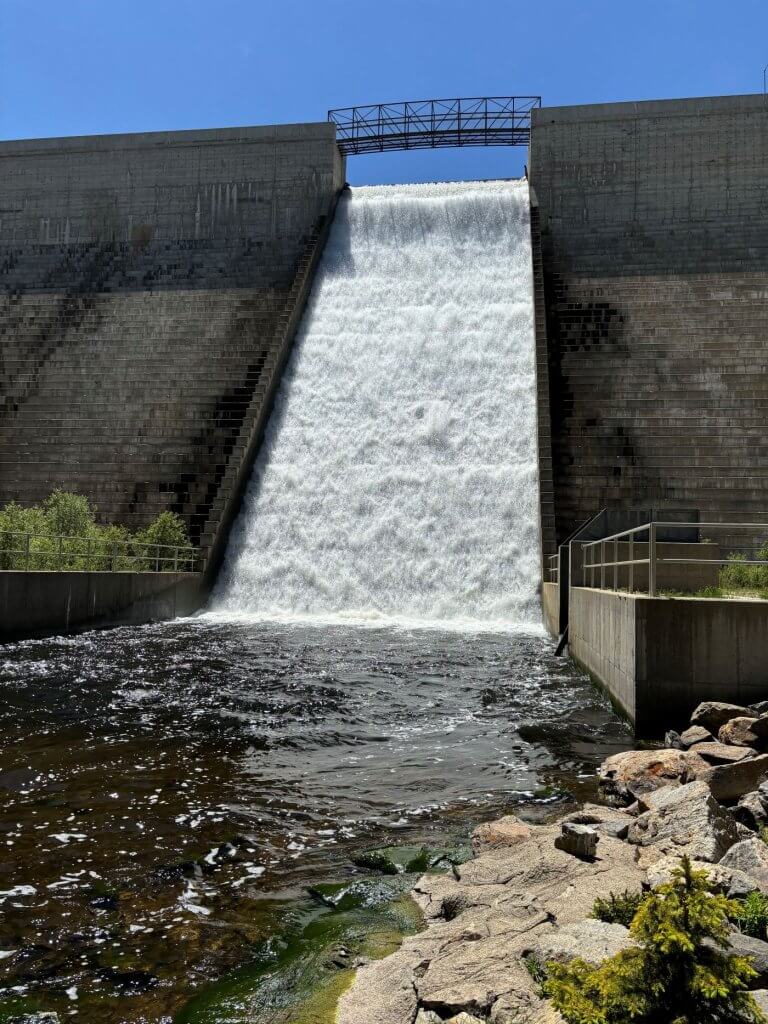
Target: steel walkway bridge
(431, 124)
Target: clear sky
(78, 67)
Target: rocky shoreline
(528, 894)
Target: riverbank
(528, 895)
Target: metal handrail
(654, 558)
(39, 552)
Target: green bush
(63, 534)
(619, 909)
(751, 917)
(745, 576)
(679, 973)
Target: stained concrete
(654, 230)
(51, 603)
(146, 282)
(660, 657)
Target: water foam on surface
(398, 475)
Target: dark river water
(169, 793)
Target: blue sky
(76, 67)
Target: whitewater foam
(397, 479)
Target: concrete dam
(591, 339)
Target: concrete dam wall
(146, 286)
(654, 231)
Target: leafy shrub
(671, 976)
(619, 909)
(745, 576)
(167, 530)
(751, 917)
(64, 534)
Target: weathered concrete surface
(51, 603)
(672, 653)
(655, 244)
(146, 283)
(550, 607)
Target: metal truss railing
(432, 124)
(31, 552)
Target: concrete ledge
(659, 657)
(35, 604)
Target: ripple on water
(166, 789)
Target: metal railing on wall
(31, 552)
(611, 562)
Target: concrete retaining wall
(51, 603)
(654, 228)
(550, 607)
(658, 658)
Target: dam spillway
(398, 474)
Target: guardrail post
(652, 560)
(615, 565)
(602, 565)
(27, 544)
(631, 563)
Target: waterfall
(398, 474)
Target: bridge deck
(432, 124)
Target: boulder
(578, 840)
(751, 811)
(381, 993)
(463, 1018)
(685, 819)
(591, 940)
(760, 996)
(629, 775)
(731, 781)
(507, 831)
(744, 732)
(673, 740)
(695, 734)
(751, 857)
(427, 1017)
(616, 829)
(758, 709)
(722, 753)
(755, 949)
(729, 881)
(713, 714)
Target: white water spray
(398, 475)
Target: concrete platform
(659, 657)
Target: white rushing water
(398, 476)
